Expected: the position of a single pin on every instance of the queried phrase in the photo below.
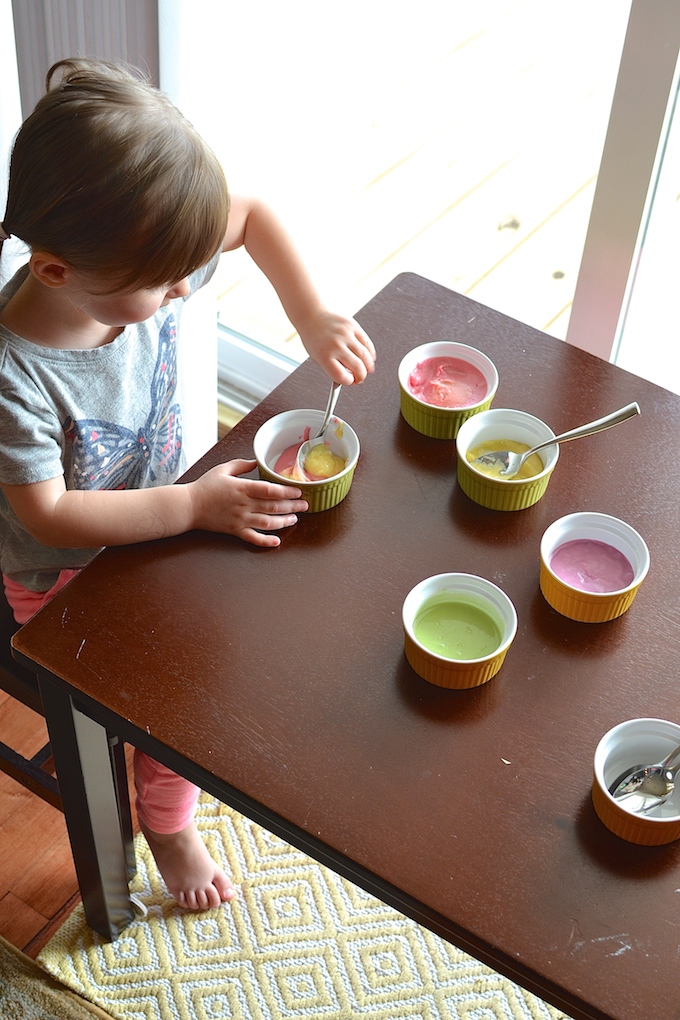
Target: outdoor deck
(463, 145)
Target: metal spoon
(299, 469)
(512, 462)
(657, 785)
(652, 792)
(649, 780)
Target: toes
(200, 899)
(213, 897)
(189, 900)
(225, 889)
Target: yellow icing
(323, 463)
(532, 466)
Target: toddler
(124, 211)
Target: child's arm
(338, 344)
(220, 500)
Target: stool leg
(90, 791)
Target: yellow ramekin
(443, 422)
(290, 427)
(587, 606)
(501, 493)
(631, 743)
(458, 674)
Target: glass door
(625, 306)
(648, 341)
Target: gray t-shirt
(106, 418)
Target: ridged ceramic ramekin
(291, 427)
(625, 746)
(499, 424)
(590, 606)
(442, 422)
(476, 591)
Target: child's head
(108, 175)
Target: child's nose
(180, 289)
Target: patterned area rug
(298, 942)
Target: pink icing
(591, 566)
(287, 459)
(447, 382)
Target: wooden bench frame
(37, 773)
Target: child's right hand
(221, 500)
(225, 502)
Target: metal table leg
(88, 772)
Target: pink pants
(165, 801)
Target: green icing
(456, 629)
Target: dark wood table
(276, 678)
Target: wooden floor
(38, 886)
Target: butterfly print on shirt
(111, 456)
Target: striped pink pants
(165, 801)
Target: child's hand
(340, 346)
(225, 502)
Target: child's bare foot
(188, 870)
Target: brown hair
(108, 175)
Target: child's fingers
(350, 368)
(262, 491)
(258, 530)
(239, 466)
(223, 500)
(264, 541)
(365, 339)
(275, 498)
(358, 357)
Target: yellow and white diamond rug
(298, 942)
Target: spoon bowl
(656, 780)
(318, 439)
(509, 463)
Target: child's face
(121, 308)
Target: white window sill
(247, 370)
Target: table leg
(87, 770)
(120, 776)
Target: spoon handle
(609, 420)
(330, 407)
(671, 760)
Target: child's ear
(49, 269)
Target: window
(463, 144)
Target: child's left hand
(340, 346)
